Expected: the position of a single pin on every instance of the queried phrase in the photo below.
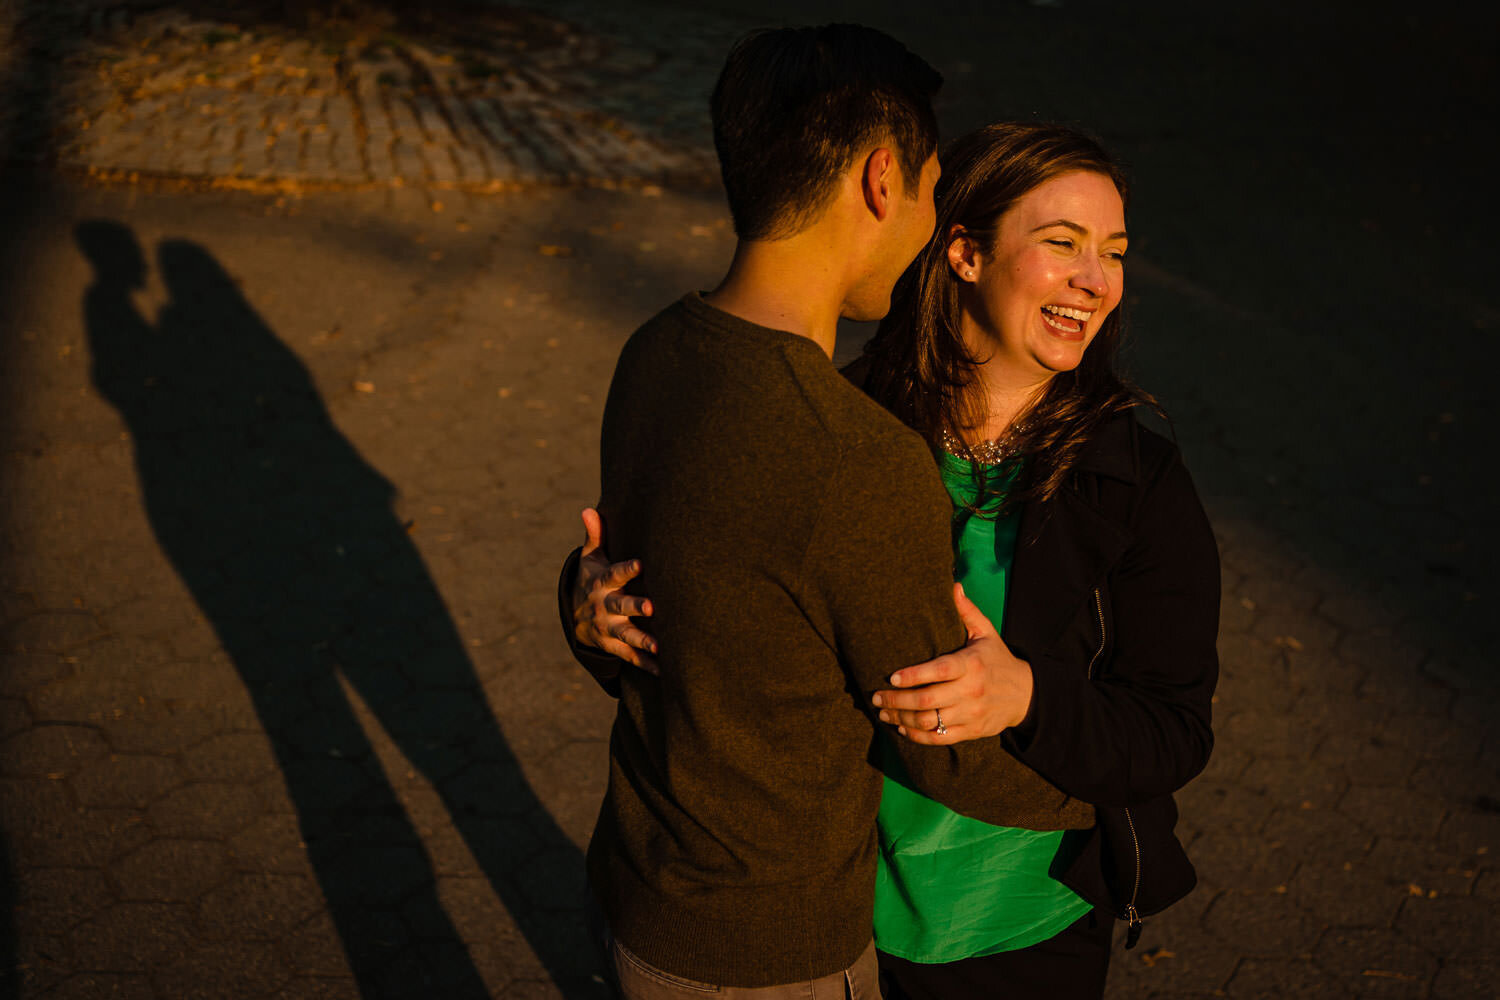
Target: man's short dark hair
(792, 108)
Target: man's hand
(602, 613)
(977, 691)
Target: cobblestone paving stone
(519, 97)
(282, 710)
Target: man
(795, 537)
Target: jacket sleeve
(604, 667)
(1140, 727)
(879, 585)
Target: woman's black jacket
(1113, 600)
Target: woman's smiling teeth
(1057, 317)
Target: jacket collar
(1114, 451)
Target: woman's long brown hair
(920, 368)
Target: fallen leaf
(1151, 956)
(364, 386)
(554, 250)
(1247, 604)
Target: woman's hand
(602, 612)
(977, 691)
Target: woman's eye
(1116, 255)
(1061, 243)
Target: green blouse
(949, 887)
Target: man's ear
(963, 253)
(878, 182)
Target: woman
(1078, 533)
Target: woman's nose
(1090, 277)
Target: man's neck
(796, 284)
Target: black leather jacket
(1114, 602)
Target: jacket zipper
(1133, 928)
(1132, 915)
(1098, 607)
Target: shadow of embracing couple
(288, 542)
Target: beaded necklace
(992, 452)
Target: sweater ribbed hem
(757, 938)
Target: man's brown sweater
(796, 545)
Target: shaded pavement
(289, 545)
(284, 481)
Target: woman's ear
(963, 254)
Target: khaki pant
(639, 981)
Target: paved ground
(225, 95)
(285, 473)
